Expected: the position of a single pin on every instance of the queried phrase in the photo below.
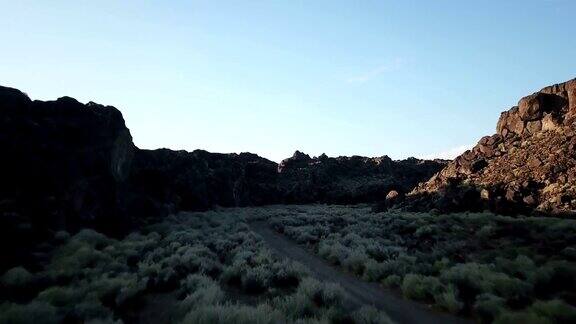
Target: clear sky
(397, 78)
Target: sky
(397, 78)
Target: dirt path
(359, 292)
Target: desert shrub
(230, 313)
(287, 274)
(374, 271)
(521, 317)
(93, 238)
(420, 287)
(106, 288)
(92, 310)
(448, 300)
(323, 294)
(521, 267)
(61, 236)
(34, 312)
(76, 256)
(381, 252)
(355, 261)
(335, 253)
(130, 290)
(17, 277)
(441, 265)
(392, 281)
(370, 315)
(232, 274)
(60, 296)
(472, 279)
(256, 280)
(554, 276)
(556, 310)
(489, 306)
(200, 290)
(486, 232)
(303, 234)
(295, 306)
(401, 266)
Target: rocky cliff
(527, 166)
(163, 181)
(64, 165)
(345, 180)
(180, 180)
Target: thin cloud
(376, 72)
(448, 154)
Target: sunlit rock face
(528, 165)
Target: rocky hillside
(529, 165)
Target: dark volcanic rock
(345, 180)
(201, 180)
(64, 165)
(529, 165)
(176, 180)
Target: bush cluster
(214, 266)
(488, 266)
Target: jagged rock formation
(528, 165)
(353, 179)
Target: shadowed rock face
(353, 179)
(528, 165)
(64, 165)
(180, 180)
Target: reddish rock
(535, 146)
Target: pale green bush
(448, 300)
(392, 281)
(521, 317)
(230, 313)
(370, 315)
(60, 296)
(17, 277)
(36, 312)
(489, 306)
(556, 310)
(420, 287)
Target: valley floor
(357, 291)
(304, 264)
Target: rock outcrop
(527, 166)
(179, 180)
(64, 165)
(345, 180)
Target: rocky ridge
(353, 179)
(527, 166)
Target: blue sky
(397, 78)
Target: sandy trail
(359, 292)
